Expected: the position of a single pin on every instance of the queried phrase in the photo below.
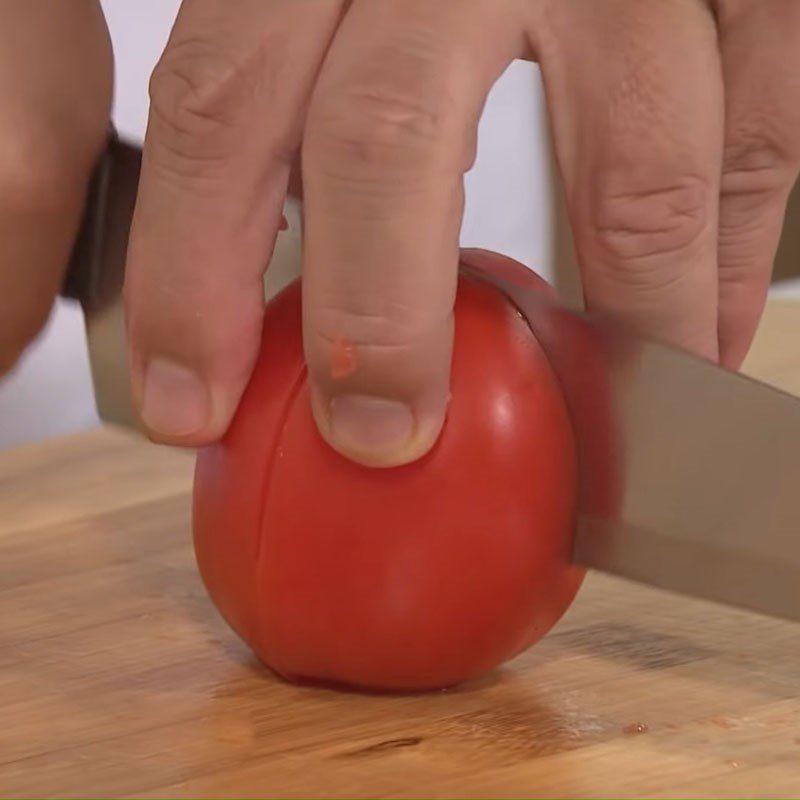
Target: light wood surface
(117, 678)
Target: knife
(689, 474)
(96, 272)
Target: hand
(677, 130)
(55, 97)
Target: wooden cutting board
(117, 677)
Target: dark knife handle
(96, 269)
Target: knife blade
(689, 474)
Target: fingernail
(374, 427)
(175, 401)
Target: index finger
(228, 102)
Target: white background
(508, 210)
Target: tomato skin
(412, 578)
(582, 355)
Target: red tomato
(411, 578)
(581, 355)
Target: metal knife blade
(690, 475)
(96, 273)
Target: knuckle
(393, 119)
(382, 330)
(200, 96)
(199, 87)
(372, 127)
(631, 226)
(760, 163)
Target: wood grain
(117, 677)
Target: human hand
(55, 96)
(677, 131)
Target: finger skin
(228, 101)
(54, 113)
(760, 46)
(391, 131)
(635, 93)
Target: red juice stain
(343, 358)
(635, 728)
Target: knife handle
(96, 268)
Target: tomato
(412, 578)
(582, 355)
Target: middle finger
(391, 131)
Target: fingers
(390, 132)
(635, 93)
(228, 101)
(53, 123)
(760, 45)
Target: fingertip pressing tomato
(412, 578)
